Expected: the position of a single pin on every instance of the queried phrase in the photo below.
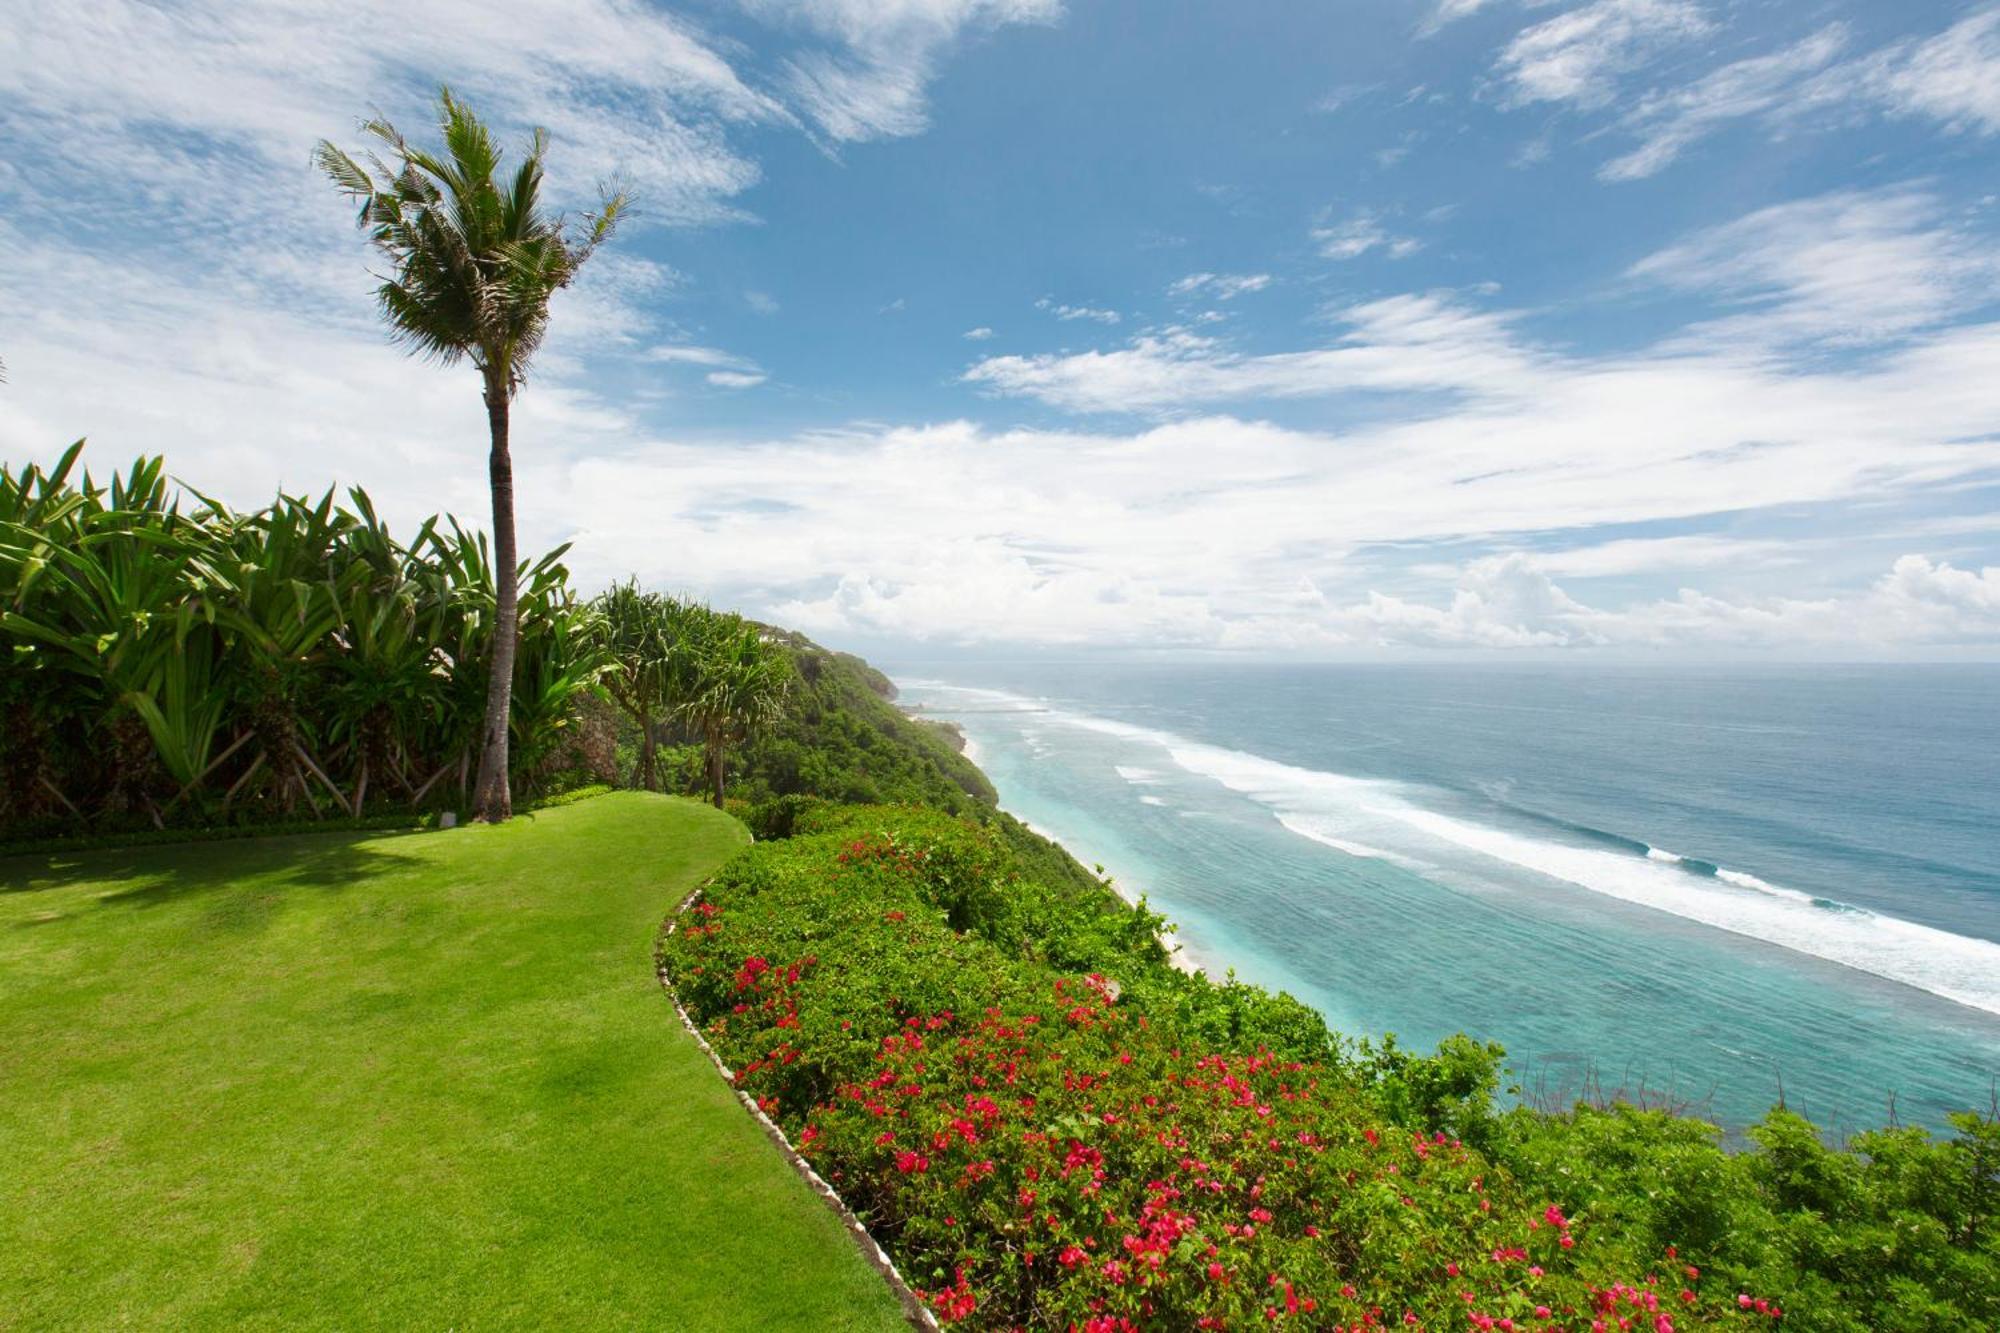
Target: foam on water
(1305, 830)
(1314, 804)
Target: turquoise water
(1695, 886)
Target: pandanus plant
(191, 661)
(639, 641)
(39, 701)
(562, 655)
(737, 687)
(119, 590)
(285, 603)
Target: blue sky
(1601, 327)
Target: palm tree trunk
(649, 755)
(715, 767)
(492, 799)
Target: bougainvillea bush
(1051, 1127)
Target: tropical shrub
(838, 735)
(1049, 1126)
(171, 660)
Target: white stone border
(914, 1309)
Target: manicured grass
(412, 1081)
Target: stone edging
(914, 1309)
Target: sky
(1586, 329)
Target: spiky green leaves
(475, 257)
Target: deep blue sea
(1701, 883)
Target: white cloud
(1357, 235)
(1926, 589)
(688, 354)
(872, 83)
(761, 302)
(1074, 536)
(1408, 343)
(1952, 77)
(1668, 123)
(1650, 555)
(1578, 56)
(268, 394)
(1504, 602)
(1500, 602)
(1053, 535)
(978, 335)
(1342, 96)
(1389, 157)
(1072, 312)
(726, 370)
(1852, 267)
(626, 91)
(1219, 286)
(1450, 11)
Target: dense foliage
(840, 737)
(1050, 1126)
(834, 735)
(172, 662)
(178, 660)
(718, 676)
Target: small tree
(636, 629)
(738, 684)
(475, 261)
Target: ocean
(1703, 888)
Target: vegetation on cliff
(1050, 1126)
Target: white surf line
(1960, 968)
(1179, 954)
(1361, 850)
(1957, 967)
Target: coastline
(1178, 951)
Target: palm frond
(473, 260)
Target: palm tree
(738, 685)
(475, 262)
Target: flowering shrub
(1044, 1149)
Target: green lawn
(414, 1081)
